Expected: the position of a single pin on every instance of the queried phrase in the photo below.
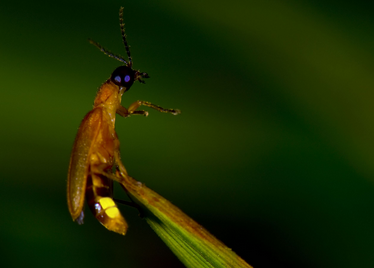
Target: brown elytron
(96, 147)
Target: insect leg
(122, 111)
(138, 103)
(114, 177)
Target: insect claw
(176, 112)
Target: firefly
(96, 147)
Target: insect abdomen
(100, 202)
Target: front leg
(122, 111)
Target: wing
(78, 168)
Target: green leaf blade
(188, 240)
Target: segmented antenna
(122, 25)
(107, 52)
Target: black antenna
(122, 25)
(107, 52)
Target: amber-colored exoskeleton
(96, 147)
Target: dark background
(273, 152)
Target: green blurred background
(273, 152)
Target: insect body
(96, 147)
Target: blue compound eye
(123, 76)
(117, 79)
